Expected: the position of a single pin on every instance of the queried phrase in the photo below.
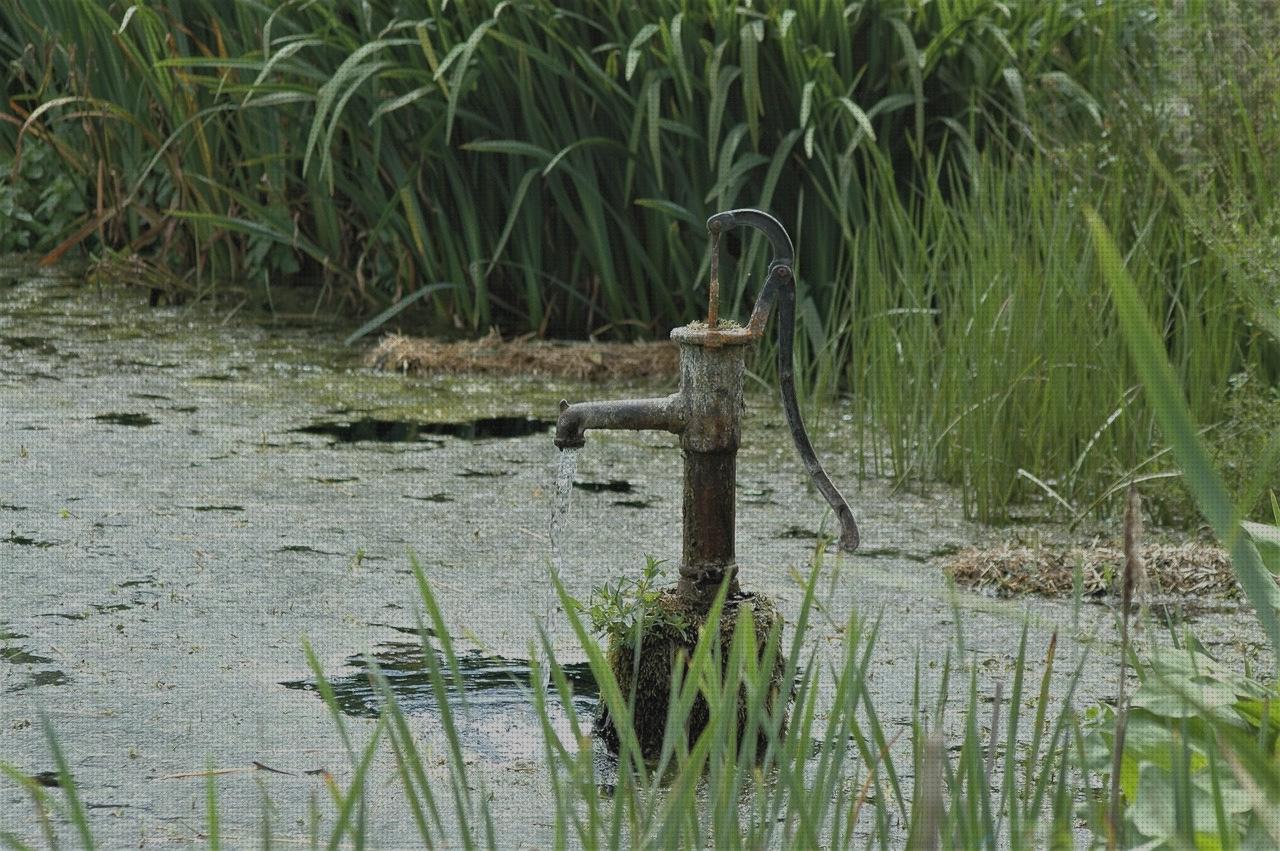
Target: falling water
(604, 763)
(567, 466)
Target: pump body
(706, 412)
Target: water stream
(604, 762)
(567, 466)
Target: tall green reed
(1188, 761)
(548, 168)
(557, 161)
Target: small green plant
(1175, 769)
(39, 200)
(618, 609)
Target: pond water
(185, 497)
(490, 698)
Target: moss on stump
(671, 630)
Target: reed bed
(547, 168)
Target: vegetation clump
(652, 634)
(1189, 569)
(494, 356)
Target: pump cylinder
(712, 366)
(709, 521)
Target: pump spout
(660, 414)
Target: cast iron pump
(707, 414)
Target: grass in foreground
(836, 776)
(1029, 769)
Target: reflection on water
(369, 429)
(492, 705)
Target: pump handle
(780, 282)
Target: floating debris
(41, 678)
(22, 656)
(24, 541)
(798, 533)
(494, 356)
(145, 364)
(472, 473)
(637, 503)
(891, 552)
(1186, 570)
(39, 345)
(758, 493)
(149, 579)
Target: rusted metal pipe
(709, 516)
(712, 368)
(662, 414)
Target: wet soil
(170, 531)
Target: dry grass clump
(495, 356)
(1184, 570)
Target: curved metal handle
(783, 251)
(780, 282)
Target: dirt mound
(1186, 570)
(495, 356)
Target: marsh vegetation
(1038, 264)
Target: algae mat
(183, 499)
